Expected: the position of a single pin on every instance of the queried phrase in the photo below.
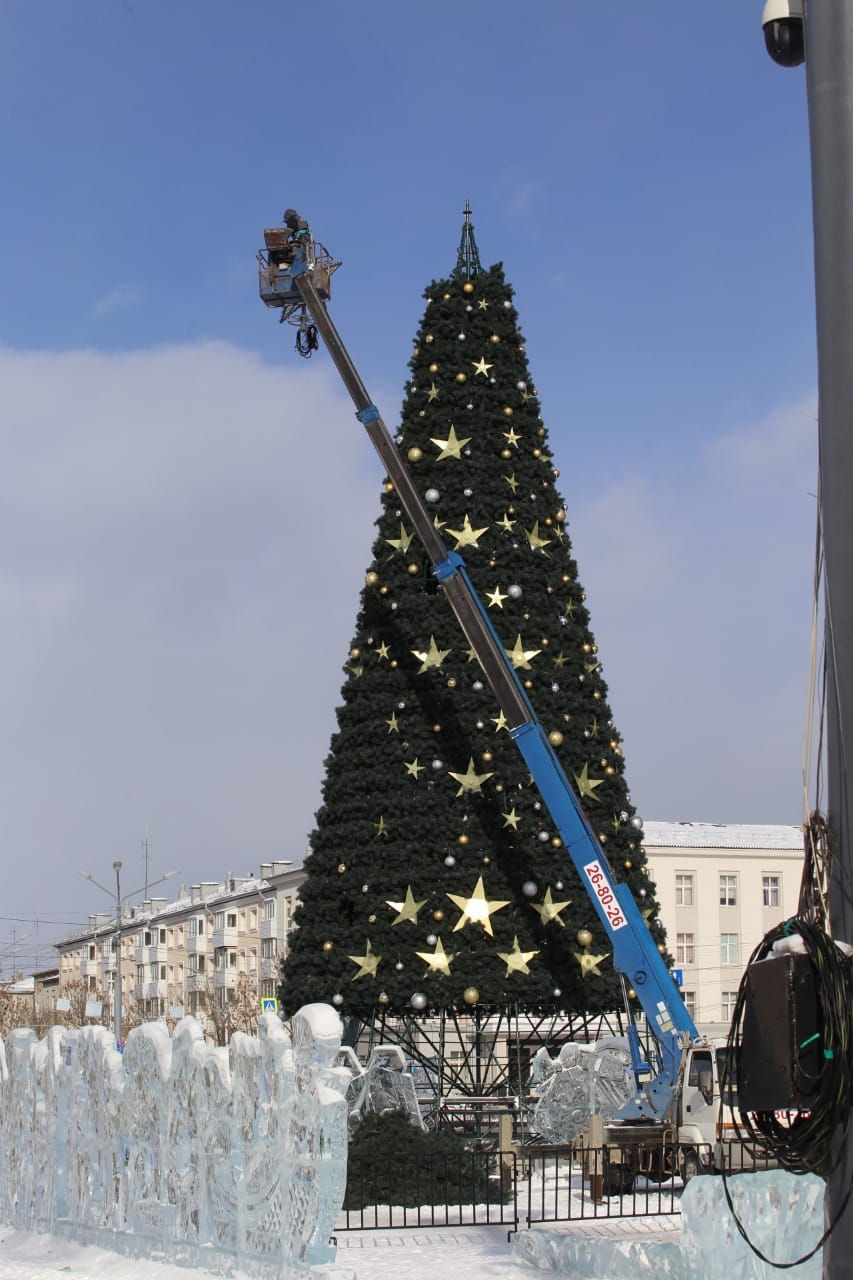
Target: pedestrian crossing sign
(269, 1004)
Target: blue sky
(642, 171)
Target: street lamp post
(119, 905)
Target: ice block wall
(179, 1147)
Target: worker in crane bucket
(300, 233)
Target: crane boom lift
(635, 955)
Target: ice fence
(216, 1156)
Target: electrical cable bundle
(813, 1140)
(307, 340)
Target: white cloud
(521, 194)
(699, 579)
(183, 534)
(123, 296)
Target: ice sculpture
(386, 1084)
(583, 1080)
(782, 1213)
(210, 1154)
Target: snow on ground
(478, 1253)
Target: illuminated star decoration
(512, 482)
(549, 910)
(470, 780)
(466, 536)
(482, 305)
(560, 660)
(496, 597)
(408, 909)
(432, 658)
(589, 963)
(481, 367)
(451, 447)
(432, 394)
(381, 828)
(413, 768)
(505, 523)
(367, 964)
(437, 961)
(512, 437)
(383, 651)
(519, 656)
(403, 542)
(512, 819)
(500, 722)
(477, 909)
(536, 543)
(517, 961)
(392, 724)
(585, 784)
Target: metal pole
(117, 991)
(829, 81)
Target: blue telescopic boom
(635, 954)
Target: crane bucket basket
(276, 285)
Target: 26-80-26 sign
(597, 877)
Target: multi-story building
(188, 954)
(721, 887)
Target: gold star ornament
(467, 536)
(403, 542)
(437, 961)
(476, 909)
(589, 963)
(432, 658)
(407, 909)
(451, 447)
(496, 598)
(481, 367)
(471, 780)
(586, 785)
(413, 768)
(517, 961)
(536, 542)
(549, 910)
(521, 657)
(367, 964)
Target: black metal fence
(529, 1184)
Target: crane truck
(677, 1114)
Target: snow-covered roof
(720, 835)
(23, 987)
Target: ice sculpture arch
(211, 1154)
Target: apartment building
(191, 954)
(721, 887)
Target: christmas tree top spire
(468, 265)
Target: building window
(162, 973)
(684, 948)
(162, 937)
(219, 920)
(728, 1005)
(269, 947)
(140, 973)
(684, 889)
(232, 920)
(269, 909)
(728, 890)
(728, 948)
(232, 959)
(91, 953)
(771, 891)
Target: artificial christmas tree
(435, 883)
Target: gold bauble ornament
(495, 338)
(537, 453)
(438, 915)
(371, 578)
(662, 948)
(487, 757)
(328, 945)
(508, 410)
(506, 453)
(355, 652)
(413, 569)
(446, 297)
(528, 684)
(383, 591)
(627, 864)
(415, 454)
(487, 862)
(467, 287)
(382, 998)
(371, 919)
(556, 738)
(556, 842)
(461, 377)
(433, 368)
(342, 867)
(428, 338)
(436, 728)
(561, 514)
(470, 995)
(388, 486)
(463, 838)
(632, 995)
(451, 683)
(584, 938)
(393, 664)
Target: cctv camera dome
(784, 34)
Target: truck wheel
(618, 1180)
(691, 1165)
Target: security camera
(782, 21)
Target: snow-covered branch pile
(208, 1154)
